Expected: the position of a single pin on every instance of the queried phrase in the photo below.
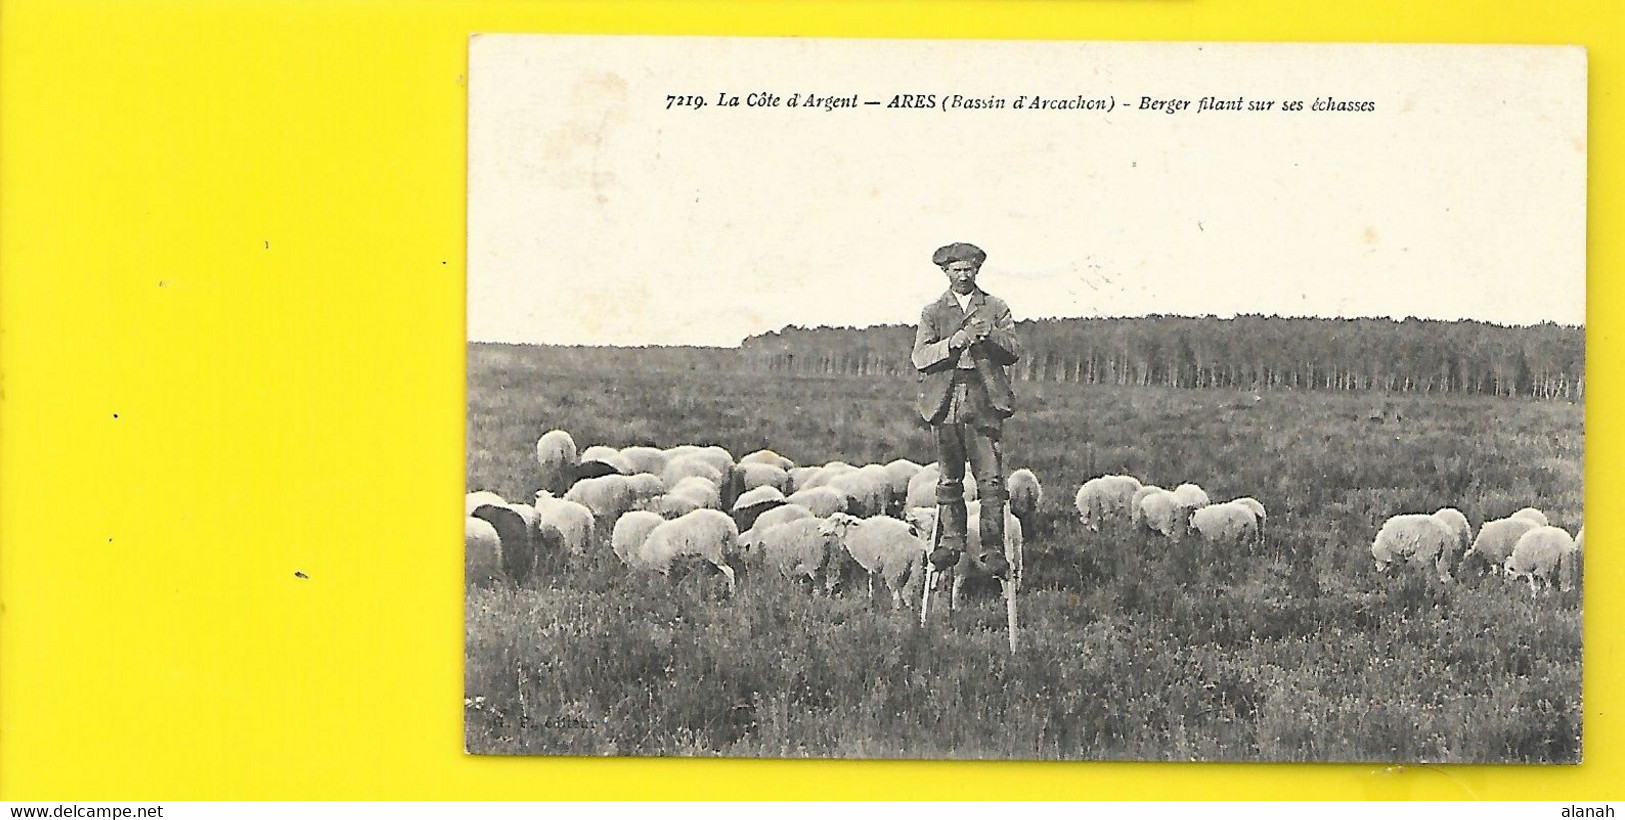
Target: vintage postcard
(1025, 400)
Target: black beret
(958, 252)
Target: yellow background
(231, 348)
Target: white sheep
(645, 485)
(754, 474)
(701, 491)
(768, 457)
(607, 496)
(574, 521)
(1227, 523)
(606, 455)
(1136, 516)
(1104, 499)
(644, 459)
(708, 535)
(1025, 492)
(822, 501)
(670, 506)
(756, 497)
(556, 455)
(717, 457)
(1161, 513)
(1456, 522)
(1190, 497)
(630, 532)
(479, 498)
(900, 472)
(867, 494)
(1531, 515)
(1416, 538)
(800, 475)
(1256, 507)
(826, 474)
(893, 550)
(1495, 542)
(482, 552)
(808, 547)
(1539, 555)
(685, 466)
(750, 540)
(881, 480)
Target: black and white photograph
(1024, 400)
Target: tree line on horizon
(1249, 352)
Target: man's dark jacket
(989, 391)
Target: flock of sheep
(657, 509)
(1519, 546)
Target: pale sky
(598, 216)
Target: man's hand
(962, 338)
(980, 329)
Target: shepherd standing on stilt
(963, 349)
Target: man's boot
(950, 536)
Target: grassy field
(1133, 648)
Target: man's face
(961, 276)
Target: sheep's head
(837, 525)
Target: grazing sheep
(556, 455)
(480, 498)
(1531, 515)
(880, 478)
(753, 475)
(1453, 519)
(823, 502)
(1256, 507)
(1227, 523)
(750, 505)
(630, 532)
(1416, 538)
(750, 539)
(800, 475)
(1025, 493)
(1135, 515)
(701, 491)
(1161, 513)
(768, 457)
(893, 550)
(573, 521)
(671, 506)
(517, 550)
(1538, 555)
(686, 466)
(1191, 497)
(1105, 499)
(482, 552)
(606, 455)
(899, 472)
(606, 496)
(1495, 542)
(867, 494)
(644, 459)
(826, 474)
(645, 485)
(708, 535)
(807, 547)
